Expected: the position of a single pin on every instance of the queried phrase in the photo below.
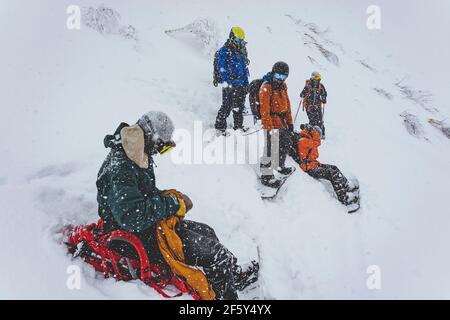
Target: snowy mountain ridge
(63, 90)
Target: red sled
(121, 255)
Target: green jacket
(127, 195)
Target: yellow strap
(171, 248)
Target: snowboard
(213, 134)
(268, 193)
(251, 131)
(256, 128)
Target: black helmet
(281, 67)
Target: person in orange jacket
(305, 152)
(276, 118)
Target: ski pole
(323, 115)
(300, 104)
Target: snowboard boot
(285, 171)
(342, 195)
(245, 275)
(348, 195)
(351, 198)
(221, 133)
(270, 181)
(352, 186)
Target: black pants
(335, 176)
(284, 146)
(202, 248)
(233, 98)
(315, 117)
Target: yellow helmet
(238, 32)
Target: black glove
(306, 126)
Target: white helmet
(157, 125)
(319, 130)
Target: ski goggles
(280, 76)
(240, 42)
(164, 147)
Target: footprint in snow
(58, 170)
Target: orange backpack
(309, 92)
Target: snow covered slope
(63, 90)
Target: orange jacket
(279, 114)
(308, 149)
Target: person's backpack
(311, 90)
(216, 76)
(253, 96)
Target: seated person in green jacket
(129, 199)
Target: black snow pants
(233, 99)
(315, 116)
(335, 176)
(282, 137)
(202, 248)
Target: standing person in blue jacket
(230, 70)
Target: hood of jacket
(269, 78)
(131, 140)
